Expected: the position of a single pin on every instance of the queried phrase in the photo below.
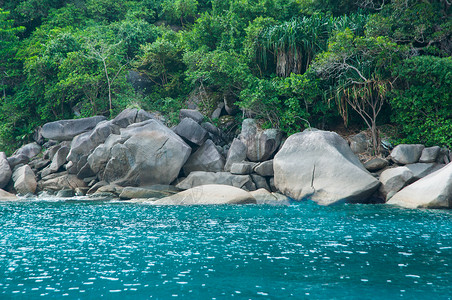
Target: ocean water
(89, 250)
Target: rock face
(223, 178)
(432, 191)
(145, 153)
(393, 180)
(206, 158)
(5, 170)
(407, 154)
(24, 180)
(66, 130)
(61, 181)
(320, 165)
(260, 144)
(208, 195)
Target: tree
(9, 44)
(358, 69)
(104, 52)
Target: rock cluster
(135, 157)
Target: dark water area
(88, 250)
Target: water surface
(87, 250)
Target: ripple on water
(81, 249)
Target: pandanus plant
(295, 43)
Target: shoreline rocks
(135, 156)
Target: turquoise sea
(88, 250)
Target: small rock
(376, 164)
(155, 191)
(66, 193)
(29, 150)
(393, 180)
(191, 131)
(241, 169)
(5, 171)
(260, 182)
(236, 154)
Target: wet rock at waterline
(223, 178)
(24, 180)
(208, 195)
(4, 196)
(320, 165)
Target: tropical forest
(374, 65)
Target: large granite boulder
(393, 180)
(24, 180)
(206, 158)
(66, 130)
(146, 153)
(29, 150)
(198, 178)
(261, 145)
(191, 131)
(407, 153)
(208, 195)
(432, 191)
(16, 160)
(236, 154)
(265, 168)
(320, 165)
(5, 170)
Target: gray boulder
(191, 131)
(66, 130)
(192, 114)
(5, 171)
(376, 164)
(206, 158)
(407, 154)
(421, 170)
(146, 153)
(24, 180)
(16, 160)
(432, 191)
(208, 195)
(393, 180)
(265, 168)
(126, 117)
(61, 181)
(241, 169)
(319, 165)
(201, 178)
(261, 145)
(359, 143)
(236, 154)
(29, 150)
(59, 159)
(430, 154)
(154, 191)
(260, 182)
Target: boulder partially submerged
(208, 195)
(319, 165)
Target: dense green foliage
(290, 63)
